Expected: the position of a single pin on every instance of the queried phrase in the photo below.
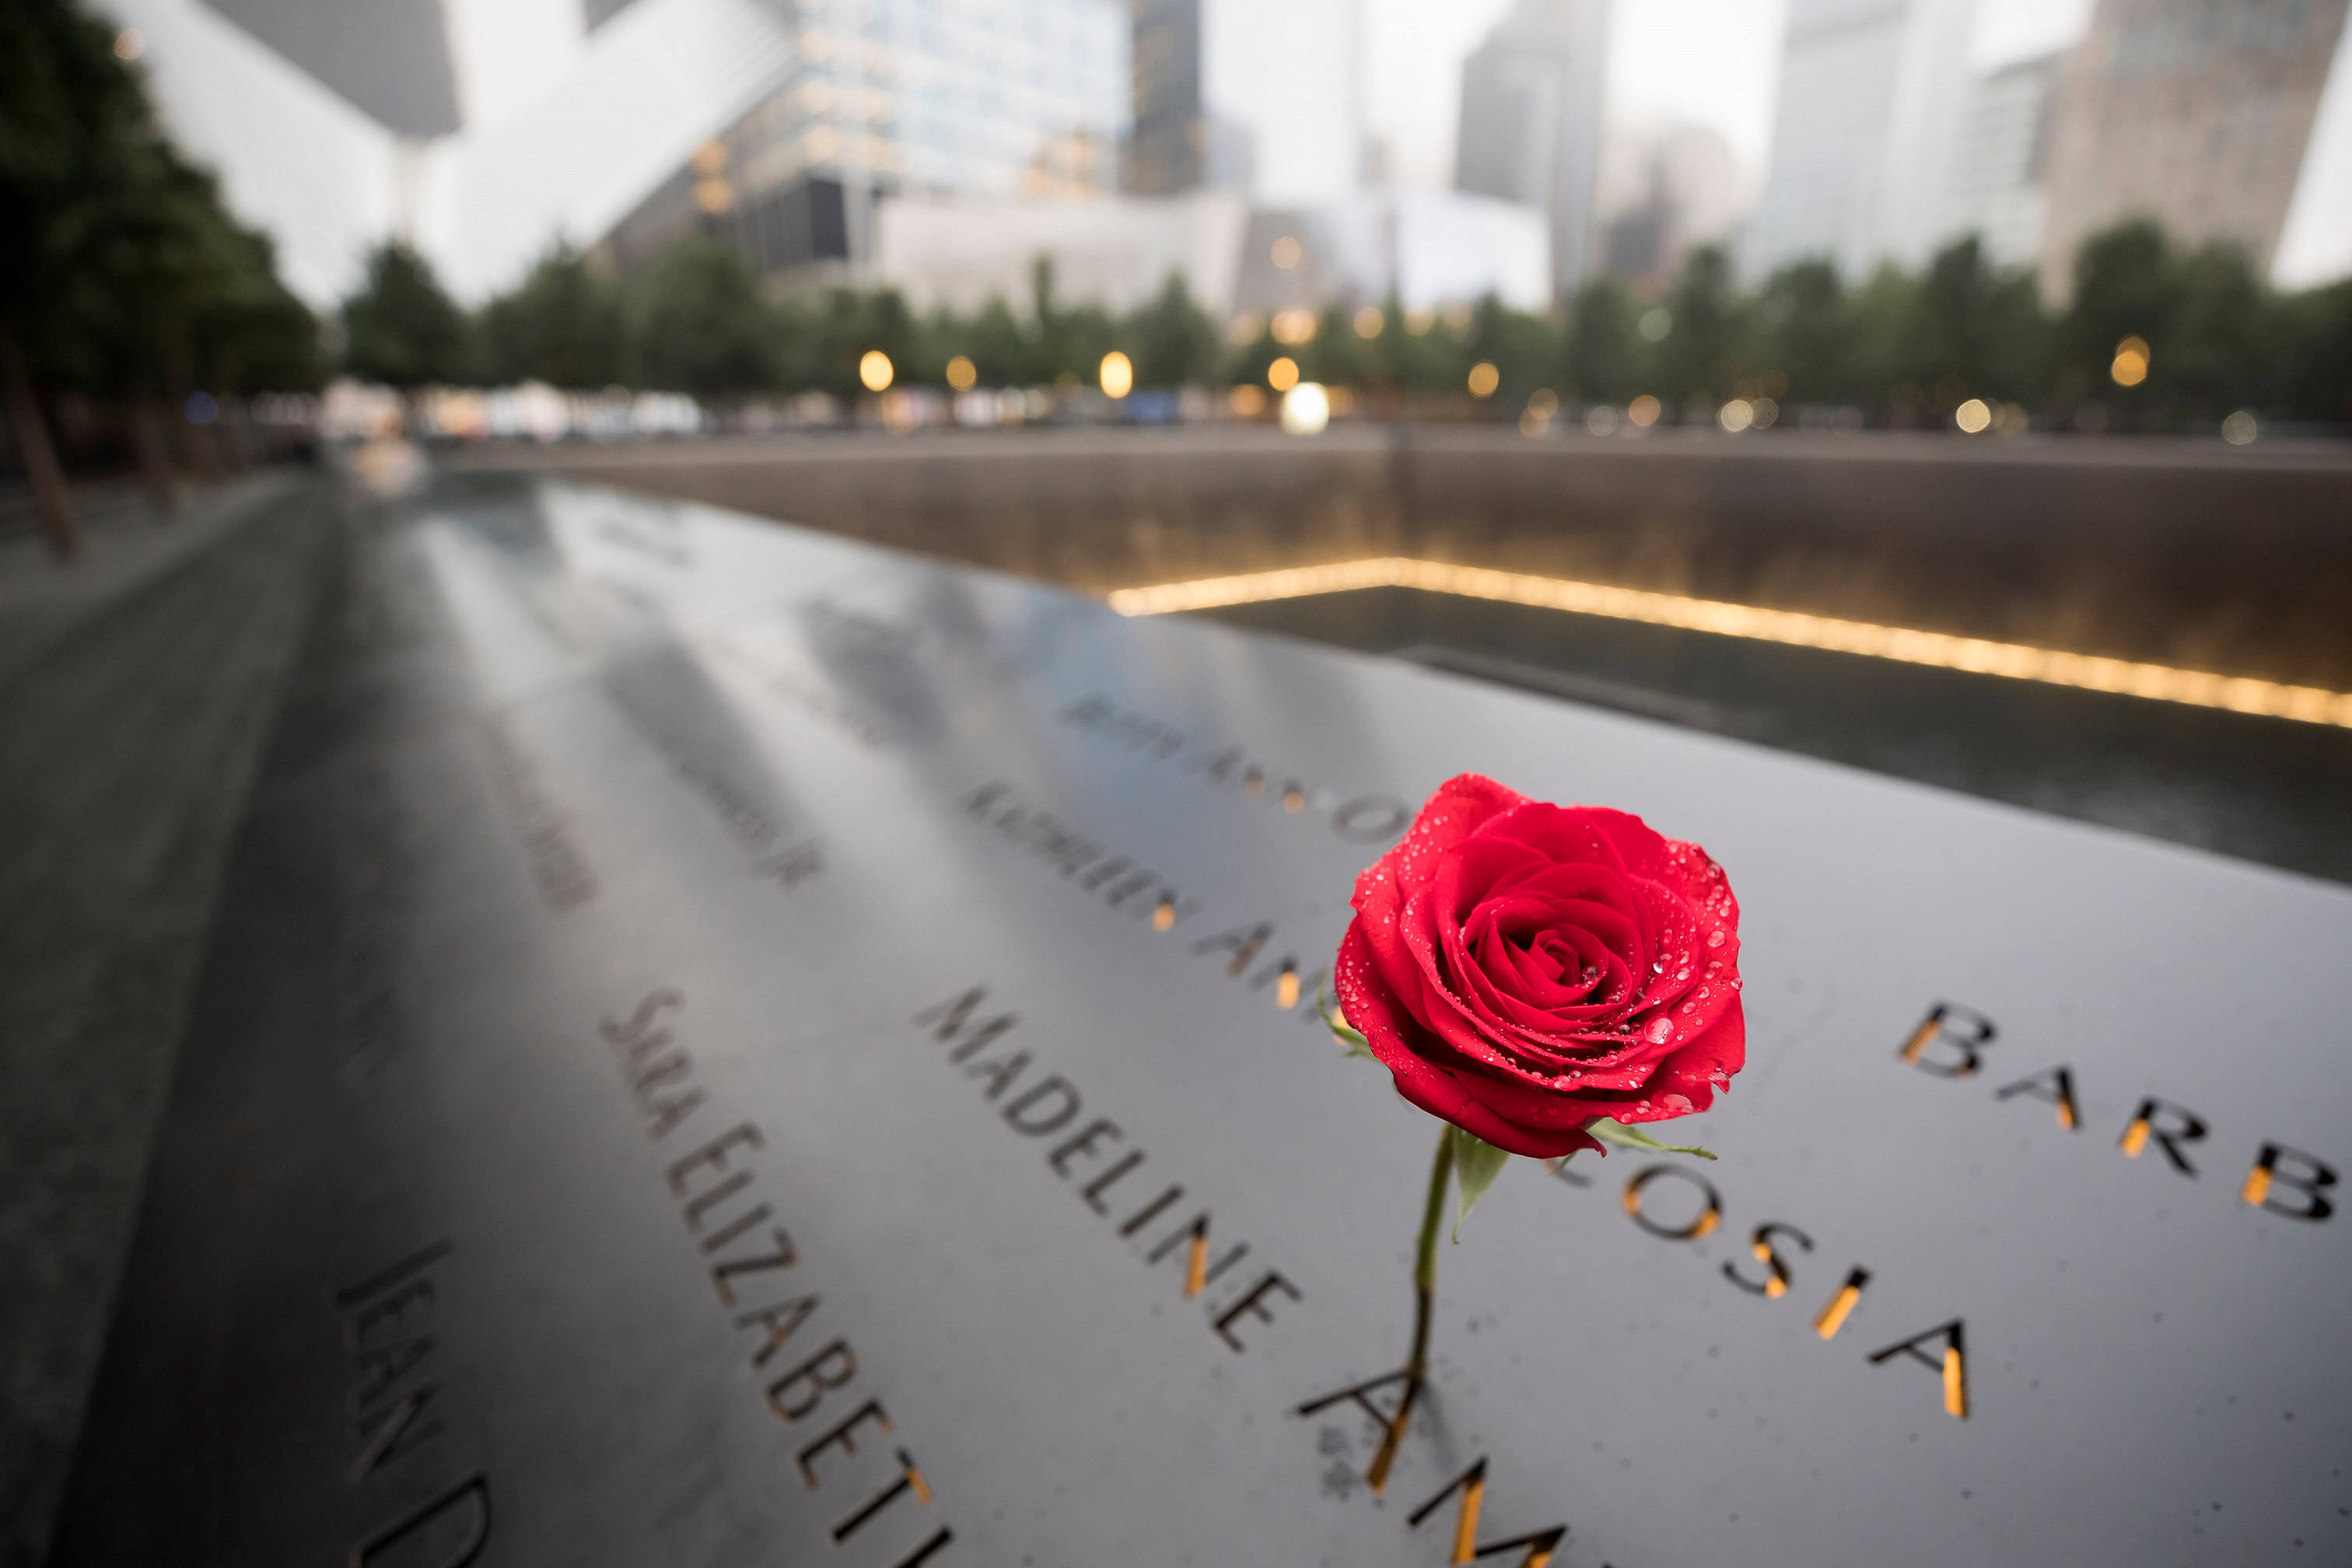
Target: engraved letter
(1472, 1484)
(1700, 1225)
(842, 1434)
(2185, 1126)
(713, 1154)
(1253, 1302)
(1962, 1028)
(2055, 1085)
(1953, 1363)
(2265, 1178)
(812, 1376)
(1775, 1284)
(1018, 1117)
(460, 1550)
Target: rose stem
(1424, 1297)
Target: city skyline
(565, 121)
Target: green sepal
(1350, 1043)
(1476, 1164)
(1627, 1137)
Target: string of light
(1909, 645)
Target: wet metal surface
(2260, 788)
(664, 1081)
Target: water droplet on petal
(1715, 937)
(1679, 1104)
(1660, 1029)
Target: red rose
(1524, 968)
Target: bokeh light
(1306, 410)
(1484, 379)
(2131, 361)
(1973, 417)
(1282, 373)
(1643, 411)
(875, 370)
(1117, 374)
(962, 374)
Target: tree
(1428, 361)
(2227, 342)
(1601, 357)
(703, 327)
(1337, 355)
(1700, 355)
(1971, 331)
(401, 329)
(1000, 351)
(842, 328)
(2316, 382)
(2123, 286)
(1524, 348)
(1174, 340)
(1881, 311)
(66, 104)
(564, 324)
(1807, 331)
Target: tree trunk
(154, 460)
(50, 502)
(198, 450)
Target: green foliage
(1339, 357)
(1524, 349)
(1172, 340)
(1701, 354)
(704, 328)
(564, 325)
(1476, 1164)
(1808, 332)
(402, 329)
(2315, 379)
(1970, 331)
(120, 269)
(999, 350)
(1629, 1135)
(1602, 359)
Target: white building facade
(1871, 98)
(1531, 118)
(1999, 188)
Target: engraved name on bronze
(754, 825)
(1954, 1042)
(804, 1360)
(1145, 1211)
(388, 1322)
(1361, 818)
(1085, 862)
(558, 869)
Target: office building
(1871, 97)
(1530, 121)
(2196, 112)
(1254, 100)
(1665, 186)
(903, 97)
(1428, 250)
(2001, 162)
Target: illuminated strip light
(2015, 661)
